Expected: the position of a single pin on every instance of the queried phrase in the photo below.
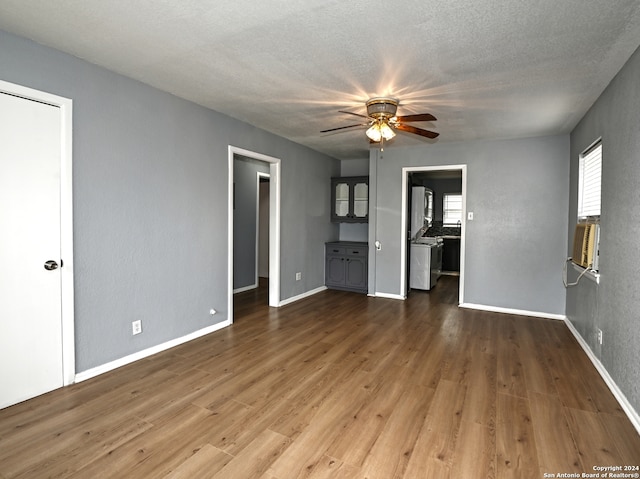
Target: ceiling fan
(382, 121)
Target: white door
(31, 361)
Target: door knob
(50, 265)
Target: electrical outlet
(136, 327)
(600, 337)
(298, 276)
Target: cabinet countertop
(446, 236)
(358, 243)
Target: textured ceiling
(485, 68)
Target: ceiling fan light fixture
(374, 133)
(386, 131)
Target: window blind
(589, 182)
(452, 209)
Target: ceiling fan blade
(355, 114)
(418, 117)
(343, 127)
(417, 131)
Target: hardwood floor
(338, 385)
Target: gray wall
(245, 171)
(614, 304)
(305, 220)
(516, 244)
(150, 203)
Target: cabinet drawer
(356, 251)
(335, 250)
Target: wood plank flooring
(338, 385)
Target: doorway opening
(262, 229)
(250, 243)
(269, 173)
(444, 224)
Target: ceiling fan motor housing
(382, 108)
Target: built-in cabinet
(346, 266)
(451, 254)
(350, 199)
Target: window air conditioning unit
(586, 244)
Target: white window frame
(590, 195)
(590, 183)
(445, 210)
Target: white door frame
(66, 218)
(274, 226)
(403, 228)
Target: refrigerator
(421, 209)
(426, 253)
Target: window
(589, 182)
(452, 209)
(586, 241)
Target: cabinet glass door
(342, 200)
(361, 200)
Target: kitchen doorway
(446, 182)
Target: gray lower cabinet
(451, 254)
(346, 266)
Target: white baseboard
(245, 288)
(293, 299)
(105, 368)
(518, 312)
(631, 413)
(389, 296)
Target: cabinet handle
(356, 252)
(336, 251)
